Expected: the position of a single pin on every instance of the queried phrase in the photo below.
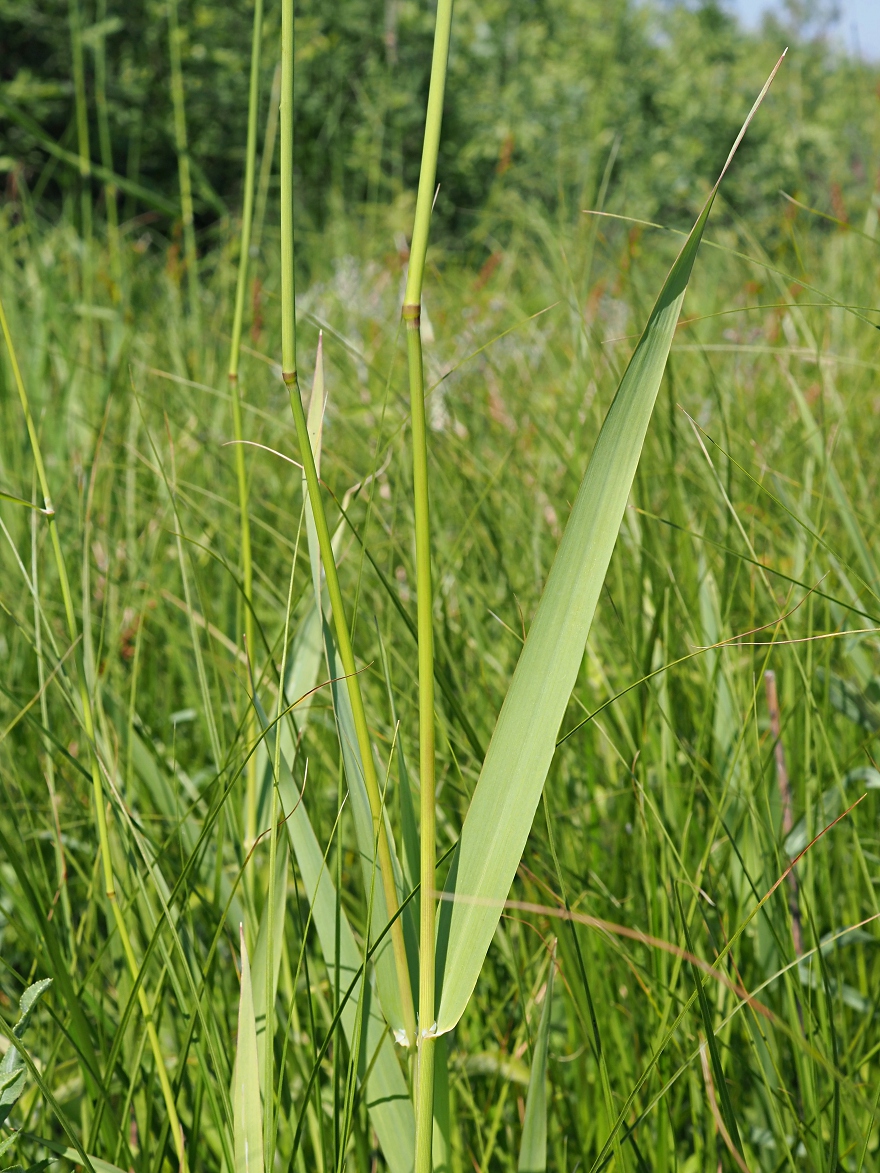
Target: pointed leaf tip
(524, 741)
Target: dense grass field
(695, 1001)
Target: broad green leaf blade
(533, 1146)
(261, 954)
(522, 746)
(247, 1121)
(387, 1097)
(506, 796)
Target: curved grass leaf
(247, 1120)
(506, 796)
(533, 1146)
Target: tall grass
(226, 852)
(412, 309)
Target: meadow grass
(712, 1006)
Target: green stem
(266, 161)
(89, 725)
(60, 860)
(110, 188)
(182, 146)
(427, 861)
(234, 351)
(430, 150)
(82, 126)
(285, 106)
(340, 623)
(412, 316)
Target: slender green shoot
(82, 126)
(110, 187)
(343, 637)
(266, 161)
(247, 570)
(181, 143)
(412, 315)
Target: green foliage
(12, 1065)
(524, 739)
(537, 96)
(701, 996)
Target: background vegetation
(537, 94)
(752, 521)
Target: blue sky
(859, 24)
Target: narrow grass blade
(533, 1146)
(406, 812)
(315, 421)
(714, 1054)
(266, 1021)
(247, 1109)
(506, 796)
(835, 484)
(152, 199)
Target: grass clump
(255, 661)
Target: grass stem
(412, 316)
(111, 190)
(183, 169)
(343, 637)
(234, 353)
(82, 128)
